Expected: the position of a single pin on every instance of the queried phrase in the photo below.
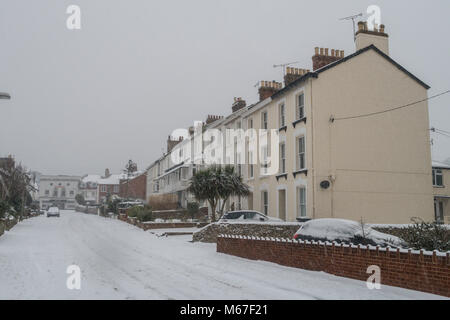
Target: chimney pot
(360, 25)
(321, 51)
(316, 50)
(382, 28)
(326, 51)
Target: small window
(301, 201)
(265, 160)
(265, 202)
(47, 192)
(282, 115)
(300, 107)
(264, 120)
(250, 164)
(103, 188)
(438, 179)
(283, 158)
(301, 163)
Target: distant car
(248, 215)
(53, 212)
(42, 212)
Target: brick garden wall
(412, 270)
(160, 225)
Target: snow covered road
(120, 261)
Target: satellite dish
(325, 184)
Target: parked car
(345, 231)
(247, 215)
(53, 212)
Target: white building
(58, 190)
(88, 188)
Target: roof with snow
(441, 165)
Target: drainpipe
(312, 151)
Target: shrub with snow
(345, 231)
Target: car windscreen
(232, 215)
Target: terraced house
(353, 139)
(441, 191)
(341, 155)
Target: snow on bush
(346, 231)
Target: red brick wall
(110, 189)
(135, 188)
(416, 271)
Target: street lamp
(4, 95)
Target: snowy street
(120, 261)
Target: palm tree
(217, 183)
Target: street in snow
(120, 261)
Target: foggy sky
(85, 100)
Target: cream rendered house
(341, 155)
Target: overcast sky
(85, 100)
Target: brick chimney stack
(238, 104)
(171, 143)
(268, 88)
(293, 74)
(321, 57)
(212, 118)
(366, 37)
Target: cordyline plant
(217, 183)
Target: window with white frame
(438, 179)
(300, 106)
(103, 188)
(282, 115)
(282, 157)
(265, 202)
(265, 161)
(301, 160)
(250, 164)
(116, 189)
(301, 201)
(264, 120)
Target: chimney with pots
(238, 104)
(322, 57)
(365, 37)
(268, 88)
(212, 118)
(171, 143)
(293, 74)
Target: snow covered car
(251, 215)
(345, 231)
(53, 212)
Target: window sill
(283, 128)
(295, 173)
(298, 121)
(282, 175)
(436, 186)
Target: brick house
(109, 185)
(135, 187)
